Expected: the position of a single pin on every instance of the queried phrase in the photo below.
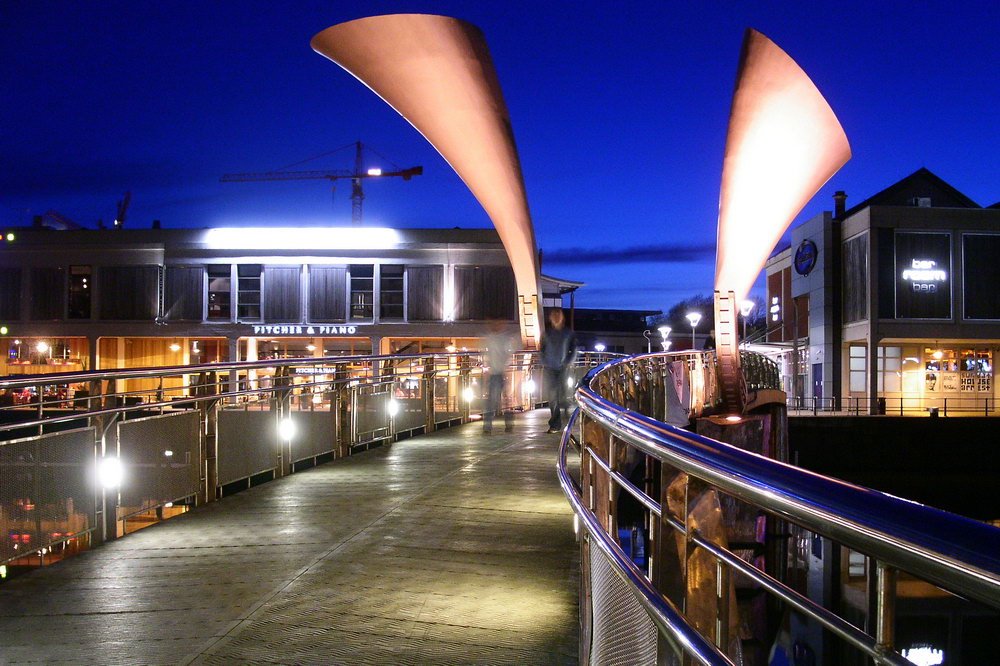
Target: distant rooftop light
(375, 171)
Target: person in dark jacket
(558, 351)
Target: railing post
(885, 606)
(428, 392)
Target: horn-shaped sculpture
(784, 143)
(437, 73)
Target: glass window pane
(857, 381)
(858, 364)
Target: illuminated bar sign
(924, 275)
(325, 330)
(923, 264)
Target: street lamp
(664, 334)
(694, 318)
(649, 343)
(599, 347)
(746, 307)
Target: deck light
(468, 395)
(694, 318)
(286, 429)
(393, 407)
(109, 472)
(529, 386)
(599, 347)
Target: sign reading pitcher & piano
(321, 330)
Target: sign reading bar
(305, 329)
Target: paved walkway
(451, 548)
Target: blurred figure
(558, 352)
(500, 344)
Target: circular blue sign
(805, 257)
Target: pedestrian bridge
(224, 538)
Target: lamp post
(746, 307)
(694, 318)
(649, 343)
(664, 334)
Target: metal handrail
(956, 553)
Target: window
(220, 292)
(362, 291)
(889, 369)
(858, 365)
(390, 291)
(79, 292)
(248, 295)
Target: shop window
(248, 292)
(890, 369)
(220, 292)
(362, 291)
(390, 291)
(80, 284)
(858, 366)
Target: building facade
(893, 302)
(116, 298)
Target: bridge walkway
(449, 548)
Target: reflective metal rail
(679, 604)
(91, 456)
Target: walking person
(500, 344)
(558, 352)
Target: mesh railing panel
(159, 460)
(46, 490)
(246, 444)
(373, 415)
(314, 434)
(410, 415)
(622, 632)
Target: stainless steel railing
(186, 435)
(898, 537)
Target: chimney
(156, 224)
(839, 204)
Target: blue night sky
(619, 110)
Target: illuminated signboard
(922, 275)
(805, 257)
(324, 330)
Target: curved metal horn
(784, 143)
(437, 73)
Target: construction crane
(356, 175)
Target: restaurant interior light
(529, 386)
(174, 347)
(42, 347)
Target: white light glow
(168, 453)
(42, 347)
(10, 237)
(393, 407)
(664, 332)
(451, 349)
(174, 347)
(694, 318)
(924, 655)
(529, 386)
(311, 347)
(298, 238)
(374, 171)
(468, 395)
(746, 307)
(599, 347)
(286, 429)
(317, 398)
(3, 570)
(3, 330)
(569, 382)
(733, 418)
(110, 472)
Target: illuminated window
(362, 291)
(390, 291)
(80, 288)
(248, 295)
(858, 367)
(889, 369)
(220, 292)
